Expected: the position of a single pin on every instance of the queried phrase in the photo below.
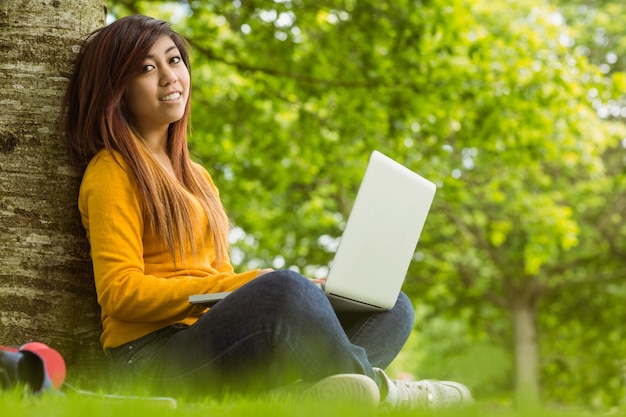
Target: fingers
(265, 271)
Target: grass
(72, 403)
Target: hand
(265, 271)
(318, 280)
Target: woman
(158, 233)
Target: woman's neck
(156, 142)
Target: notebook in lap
(379, 239)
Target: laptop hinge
(356, 301)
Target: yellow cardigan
(138, 288)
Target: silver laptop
(378, 242)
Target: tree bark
(46, 281)
(526, 354)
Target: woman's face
(157, 96)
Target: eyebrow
(165, 53)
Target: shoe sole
(348, 388)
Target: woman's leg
(382, 335)
(273, 331)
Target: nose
(168, 77)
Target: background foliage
(514, 109)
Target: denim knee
(286, 281)
(405, 313)
(291, 290)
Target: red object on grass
(53, 361)
(35, 364)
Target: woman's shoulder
(107, 166)
(198, 167)
(202, 170)
(107, 159)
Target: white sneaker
(425, 393)
(349, 388)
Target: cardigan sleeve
(113, 217)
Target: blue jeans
(274, 330)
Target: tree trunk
(46, 280)
(526, 354)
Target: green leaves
(494, 101)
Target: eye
(147, 68)
(175, 60)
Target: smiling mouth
(170, 97)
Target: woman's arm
(113, 217)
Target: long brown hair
(96, 118)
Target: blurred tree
(597, 28)
(489, 99)
(597, 32)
